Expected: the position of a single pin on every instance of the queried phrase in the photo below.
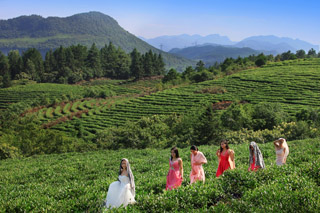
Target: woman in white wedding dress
(122, 192)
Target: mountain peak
(87, 28)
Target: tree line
(230, 65)
(77, 62)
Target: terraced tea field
(293, 84)
(33, 93)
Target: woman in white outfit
(282, 151)
(122, 192)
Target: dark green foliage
(4, 64)
(6, 80)
(171, 75)
(33, 64)
(187, 74)
(208, 128)
(15, 63)
(288, 56)
(312, 53)
(268, 115)
(203, 75)
(148, 63)
(200, 66)
(32, 140)
(311, 115)
(301, 54)
(122, 68)
(93, 61)
(136, 66)
(30, 70)
(237, 116)
(76, 63)
(160, 65)
(261, 60)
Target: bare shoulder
(231, 151)
(179, 160)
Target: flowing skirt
(119, 194)
(223, 165)
(174, 179)
(197, 173)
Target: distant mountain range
(216, 48)
(35, 31)
(277, 44)
(210, 54)
(167, 43)
(271, 43)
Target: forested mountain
(212, 53)
(44, 34)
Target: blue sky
(237, 19)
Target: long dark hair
(193, 147)
(176, 151)
(225, 142)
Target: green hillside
(86, 28)
(78, 182)
(293, 84)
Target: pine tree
(6, 80)
(49, 62)
(160, 65)
(4, 64)
(93, 60)
(136, 67)
(200, 66)
(70, 62)
(60, 59)
(109, 60)
(148, 64)
(30, 69)
(122, 68)
(15, 63)
(312, 53)
(34, 55)
(209, 130)
(80, 53)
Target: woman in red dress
(255, 159)
(175, 174)
(226, 158)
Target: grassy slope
(293, 84)
(79, 181)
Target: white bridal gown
(119, 193)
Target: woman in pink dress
(197, 159)
(226, 158)
(175, 174)
(255, 160)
